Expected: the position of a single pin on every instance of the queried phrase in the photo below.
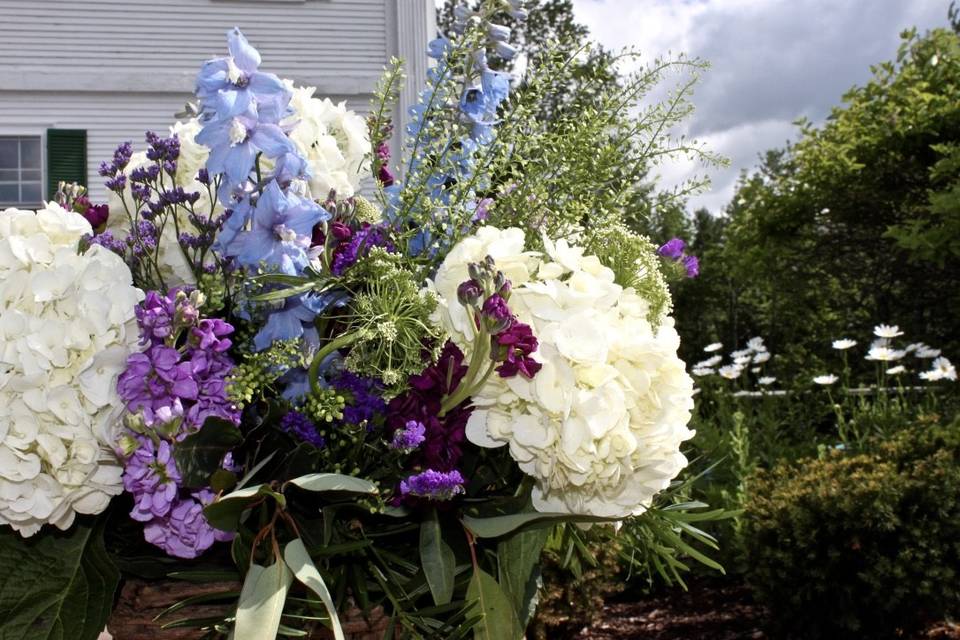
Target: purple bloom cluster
(184, 531)
(443, 437)
(410, 437)
(355, 244)
(435, 485)
(513, 348)
(302, 428)
(675, 250)
(365, 402)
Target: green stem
(313, 374)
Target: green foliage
(56, 585)
(861, 544)
(853, 224)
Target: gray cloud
(773, 61)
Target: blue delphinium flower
(234, 144)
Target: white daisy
(825, 380)
(887, 331)
(885, 354)
(742, 360)
(762, 357)
(766, 380)
(897, 370)
(709, 362)
(702, 371)
(942, 370)
(730, 371)
(925, 352)
(714, 346)
(740, 353)
(756, 344)
(844, 343)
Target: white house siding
(120, 67)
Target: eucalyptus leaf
(437, 559)
(299, 562)
(323, 482)
(261, 603)
(496, 526)
(518, 558)
(499, 622)
(199, 454)
(225, 513)
(56, 585)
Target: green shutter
(66, 157)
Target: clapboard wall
(117, 68)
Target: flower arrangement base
(141, 601)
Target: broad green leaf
(519, 557)
(499, 622)
(321, 482)
(261, 603)
(496, 526)
(437, 559)
(55, 585)
(299, 562)
(199, 454)
(224, 514)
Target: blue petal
(213, 77)
(271, 139)
(239, 161)
(244, 55)
(281, 325)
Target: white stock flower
(887, 331)
(66, 327)
(766, 380)
(600, 425)
(825, 380)
(844, 343)
(713, 346)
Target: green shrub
(865, 544)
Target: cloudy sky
(772, 61)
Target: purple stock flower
(151, 476)
(358, 246)
(498, 314)
(184, 532)
(435, 485)
(514, 347)
(209, 334)
(302, 428)
(673, 249)
(410, 437)
(469, 292)
(156, 378)
(155, 315)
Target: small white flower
(844, 343)
(702, 371)
(825, 380)
(887, 331)
(925, 352)
(755, 370)
(897, 370)
(741, 353)
(730, 371)
(942, 370)
(742, 360)
(709, 362)
(766, 380)
(885, 354)
(762, 357)
(756, 344)
(713, 346)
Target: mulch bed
(710, 610)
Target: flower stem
(313, 374)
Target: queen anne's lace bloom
(600, 425)
(66, 328)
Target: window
(21, 170)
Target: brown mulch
(710, 610)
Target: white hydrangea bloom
(600, 425)
(66, 327)
(333, 139)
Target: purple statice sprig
(674, 251)
(410, 437)
(433, 485)
(302, 428)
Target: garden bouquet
(277, 355)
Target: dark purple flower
(513, 348)
(347, 253)
(673, 249)
(365, 401)
(151, 477)
(97, 215)
(300, 427)
(410, 437)
(436, 485)
(497, 314)
(469, 292)
(692, 266)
